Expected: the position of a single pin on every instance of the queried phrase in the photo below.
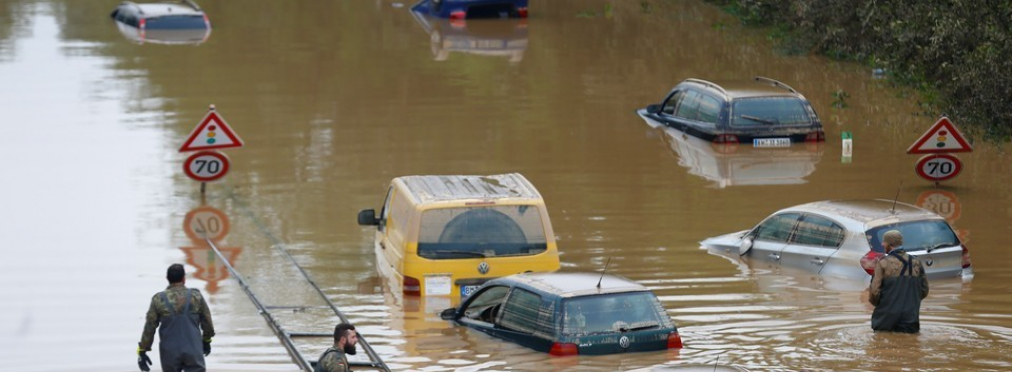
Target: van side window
(386, 209)
(818, 231)
(399, 211)
(777, 228)
(521, 311)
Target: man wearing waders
(897, 288)
(177, 312)
(334, 359)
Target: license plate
(437, 285)
(467, 290)
(771, 142)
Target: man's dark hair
(342, 330)
(175, 273)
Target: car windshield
(765, 111)
(917, 235)
(478, 232)
(613, 313)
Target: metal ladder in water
(375, 362)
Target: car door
(815, 239)
(523, 321)
(770, 238)
(481, 309)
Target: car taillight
(522, 12)
(142, 24)
(725, 138)
(966, 257)
(458, 15)
(869, 260)
(563, 349)
(412, 286)
(207, 22)
(815, 136)
(674, 341)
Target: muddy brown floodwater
(333, 99)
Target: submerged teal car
(569, 314)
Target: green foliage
(957, 53)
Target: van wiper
(460, 253)
(761, 120)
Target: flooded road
(334, 99)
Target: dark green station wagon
(569, 313)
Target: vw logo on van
(623, 342)
(483, 268)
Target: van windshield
(477, 232)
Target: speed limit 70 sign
(938, 167)
(206, 166)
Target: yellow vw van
(446, 235)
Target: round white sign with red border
(206, 166)
(938, 167)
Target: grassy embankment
(957, 53)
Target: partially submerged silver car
(843, 238)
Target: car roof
(427, 189)
(751, 88)
(150, 10)
(573, 284)
(869, 212)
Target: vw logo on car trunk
(623, 342)
(483, 268)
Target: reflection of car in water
(569, 314)
(162, 23)
(505, 38)
(732, 164)
(446, 235)
(843, 238)
(471, 9)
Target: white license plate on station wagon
(771, 142)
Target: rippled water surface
(333, 99)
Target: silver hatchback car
(843, 238)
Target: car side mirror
(367, 217)
(654, 108)
(448, 314)
(744, 246)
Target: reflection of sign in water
(205, 222)
(209, 267)
(944, 203)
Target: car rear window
(917, 235)
(176, 22)
(765, 111)
(470, 232)
(613, 313)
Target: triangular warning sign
(943, 137)
(211, 133)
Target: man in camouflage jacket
(177, 313)
(335, 359)
(897, 288)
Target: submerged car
(762, 111)
(471, 9)
(569, 314)
(162, 23)
(844, 238)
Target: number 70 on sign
(206, 166)
(938, 167)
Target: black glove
(143, 361)
(207, 347)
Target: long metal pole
(376, 360)
(282, 335)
